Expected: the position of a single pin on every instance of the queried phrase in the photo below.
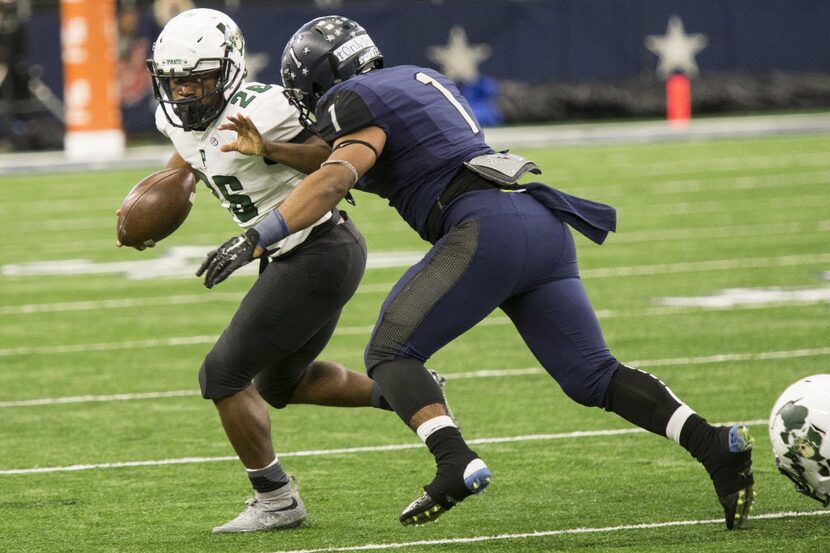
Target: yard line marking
(345, 450)
(109, 346)
(208, 339)
(487, 373)
(599, 272)
(690, 185)
(719, 206)
(194, 393)
(119, 303)
(728, 231)
(549, 533)
(711, 265)
(101, 398)
(743, 182)
(727, 357)
(382, 288)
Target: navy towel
(593, 219)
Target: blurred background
(518, 61)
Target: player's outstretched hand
(230, 256)
(248, 140)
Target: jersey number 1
(422, 77)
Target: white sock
(269, 465)
(425, 430)
(677, 420)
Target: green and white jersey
(247, 186)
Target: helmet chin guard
(322, 53)
(197, 45)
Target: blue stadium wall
(551, 59)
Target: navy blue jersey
(430, 132)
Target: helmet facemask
(304, 105)
(195, 112)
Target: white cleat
(284, 511)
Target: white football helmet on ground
(197, 44)
(799, 429)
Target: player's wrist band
(271, 229)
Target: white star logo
(329, 38)
(306, 50)
(676, 49)
(458, 59)
(305, 70)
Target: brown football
(156, 207)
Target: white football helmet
(199, 44)
(799, 429)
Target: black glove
(233, 254)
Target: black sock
(696, 437)
(452, 456)
(268, 479)
(710, 445)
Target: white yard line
(489, 373)
(781, 180)
(193, 393)
(120, 303)
(550, 533)
(536, 136)
(710, 265)
(599, 272)
(208, 339)
(343, 451)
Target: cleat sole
(743, 505)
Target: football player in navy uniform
(289, 314)
(406, 134)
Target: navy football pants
(500, 249)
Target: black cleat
(425, 509)
(736, 507)
(432, 504)
(731, 473)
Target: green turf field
(115, 361)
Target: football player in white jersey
(289, 314)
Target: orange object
(678, 100)
(91, 96)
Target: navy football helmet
(323, 52)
